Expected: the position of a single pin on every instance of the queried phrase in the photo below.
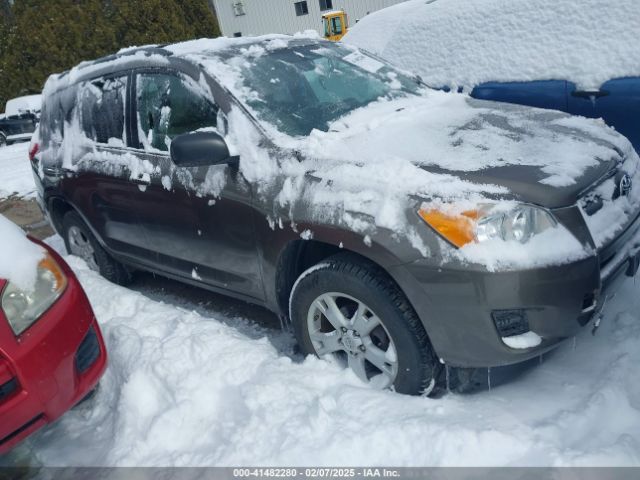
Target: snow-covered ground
(15, 171)
(194, 386)
(184, 388)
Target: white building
(259, 17)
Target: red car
(52, 354)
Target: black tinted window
(301, 8)
(326, 5)
(169, 106)
(52, 118)
(102, 110)
(57, 111)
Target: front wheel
(81, 242)
(3, 139)
(350, 309)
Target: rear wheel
(349, 309)
(82, 243)
(3, 139)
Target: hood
(543, 157)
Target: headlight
(489, 223)
(23, 308)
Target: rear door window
(169, 105)
(102, 110)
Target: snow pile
(189, 389)
(15, 172)
(464, 43)
(19, 257)
(17, 106)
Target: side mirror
(199, 149)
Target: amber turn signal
(457, 229)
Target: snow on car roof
(29, 103)
(19, 256)
(161, 53)
(211, 45)
(463, 43)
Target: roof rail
(150, 49)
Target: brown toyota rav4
(398, 228)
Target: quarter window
(301, 8)
(326, 5)
(102, 111)
(168, 106)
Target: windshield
(301, 88)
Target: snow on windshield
(19, 256)
(464, 43)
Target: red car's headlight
(23, 308)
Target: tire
(3, 139)
(80, 242)
(378, 324)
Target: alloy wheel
(345, 327)
(81, 246)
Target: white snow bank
(30, 103)
(464, 43)
(15, 171)
(185, 389)
(19, 257)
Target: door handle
(58, 171)
(141, 180)
(589, 93)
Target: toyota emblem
(625, 185)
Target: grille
(8, 389)
(592, 200)
(510, 323)
(26, 426)
(88, 352)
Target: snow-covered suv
(397, 227)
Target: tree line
(41, 37)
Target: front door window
(102, 111)
(168, 106)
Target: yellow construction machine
(335, 25)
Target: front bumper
(53, 365)
(456, 304)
